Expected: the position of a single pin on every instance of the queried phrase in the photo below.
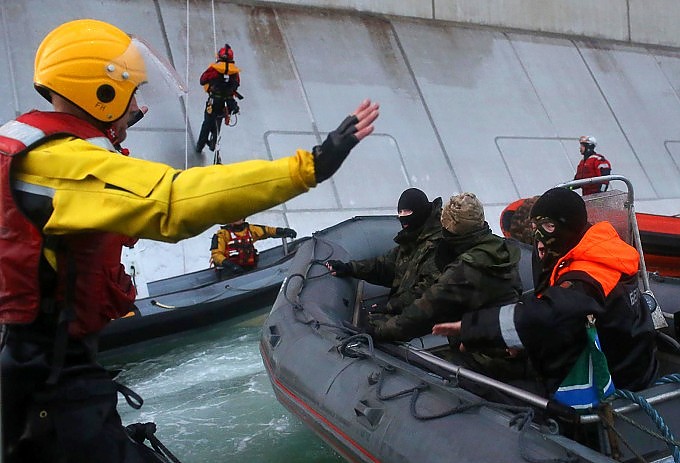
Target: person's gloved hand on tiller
(339, 268)
(286, 233)
(231, 267)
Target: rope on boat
(521, 420)
(294, 301)
(666, 433)
(606, 414)
(350, 346)
(672, 378)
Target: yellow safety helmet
(93, 64)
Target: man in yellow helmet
(68, 202)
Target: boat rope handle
(666, 433)
(347, 347)
(161, 305)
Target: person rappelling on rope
(221, 81)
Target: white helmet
(588, 140)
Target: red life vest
(594, 165)
(103, 290)
(240, 249)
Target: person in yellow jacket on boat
(232, 247)
(69, 199)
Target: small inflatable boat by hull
(199, 299)
(405, 402)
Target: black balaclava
(566, 210)
(414, 200)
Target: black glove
(231, 268)
(339, 268)
(329, 156)
(366, 329)
(232, 106)
(286, 233)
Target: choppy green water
(212, 401)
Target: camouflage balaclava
(559, 220)
(414, 200)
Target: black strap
(131, 397)
(67, 314)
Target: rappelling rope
(212, 5)
(186, 96)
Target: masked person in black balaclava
(413, 208)
(558, 222)
(409, 268)
(580, 270)
(478, 269)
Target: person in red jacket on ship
(592, 165)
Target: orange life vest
(240, 249)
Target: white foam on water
(212, 402)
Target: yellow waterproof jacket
(94, 189)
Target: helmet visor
(162, 88)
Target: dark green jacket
(409, 268)
(486, 273)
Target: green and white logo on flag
(589, 381)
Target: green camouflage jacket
(409, 268)
(485, 274)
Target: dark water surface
(212, 401)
